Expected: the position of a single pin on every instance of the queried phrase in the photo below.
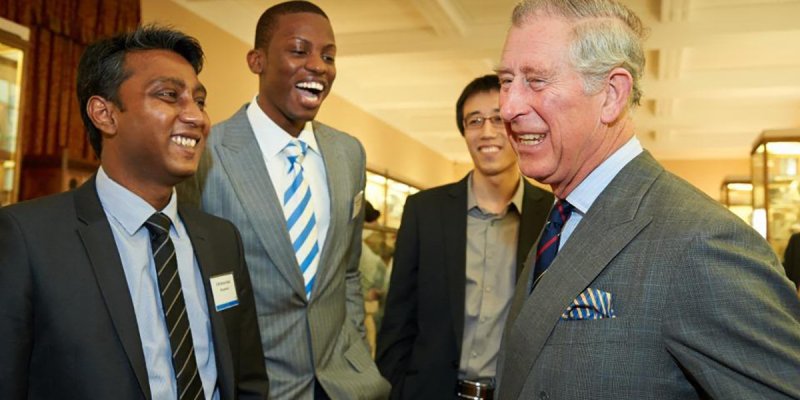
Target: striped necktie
(551, 236)
(299, 212)
(180, 333)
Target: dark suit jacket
(791, 259)
(419, 346)
(702, 308)
(67, 324)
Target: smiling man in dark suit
(111, 291)
(459, 252)
(642, 287)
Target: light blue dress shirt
(126, 213)
(587, 191)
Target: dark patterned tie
(548, 244)
(180, 333)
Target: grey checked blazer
(702, 306)
(323, 337)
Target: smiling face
(554, 126)
(296, 69)
(156, 137)
(488, 144)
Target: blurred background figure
(374, 276)
(791, 260)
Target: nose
(512, 102)
(316, 64)
(489, 131)
(194, 115)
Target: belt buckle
(475, 390)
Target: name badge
(358, 202)
(223, 288)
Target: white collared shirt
(590, 189)
(271, 140)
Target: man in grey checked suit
(314, 345)
(656, 292)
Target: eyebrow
(526, 69)
(180, 84)
(476, 112)
(306, 41)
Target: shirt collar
(128, 209)
(587, 191)
(275, 137)
(516, 199)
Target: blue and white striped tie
(299, 212)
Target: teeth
(184, 141)
(489, 149)
(530, 138)
(311, 86)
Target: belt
(472, 390)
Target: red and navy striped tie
(548, 244)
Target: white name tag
(357, 203)
(223, 288)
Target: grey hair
(606, 35)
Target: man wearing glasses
(459, 252)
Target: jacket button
(543, 396)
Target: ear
(618, 91)
(102, 112)
(256, 61)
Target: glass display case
(378, 240)
(776, 186)
(387, 196)
(736, 193)
(12, 51)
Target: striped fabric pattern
(551, 236)
(591, 304)
(299, 212)
(180, 332)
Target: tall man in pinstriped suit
(657, 291)
(311, 322)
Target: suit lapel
(243, 161)
(454, 230)
(99, 242)
(208, 268)
(333, 156)
(609, 226)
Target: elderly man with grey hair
(641, 286)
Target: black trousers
(319, 392)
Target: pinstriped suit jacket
(302, 339)
(703, 308)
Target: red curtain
(59, 31)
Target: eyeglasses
(475, 122)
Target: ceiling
(718, 71)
